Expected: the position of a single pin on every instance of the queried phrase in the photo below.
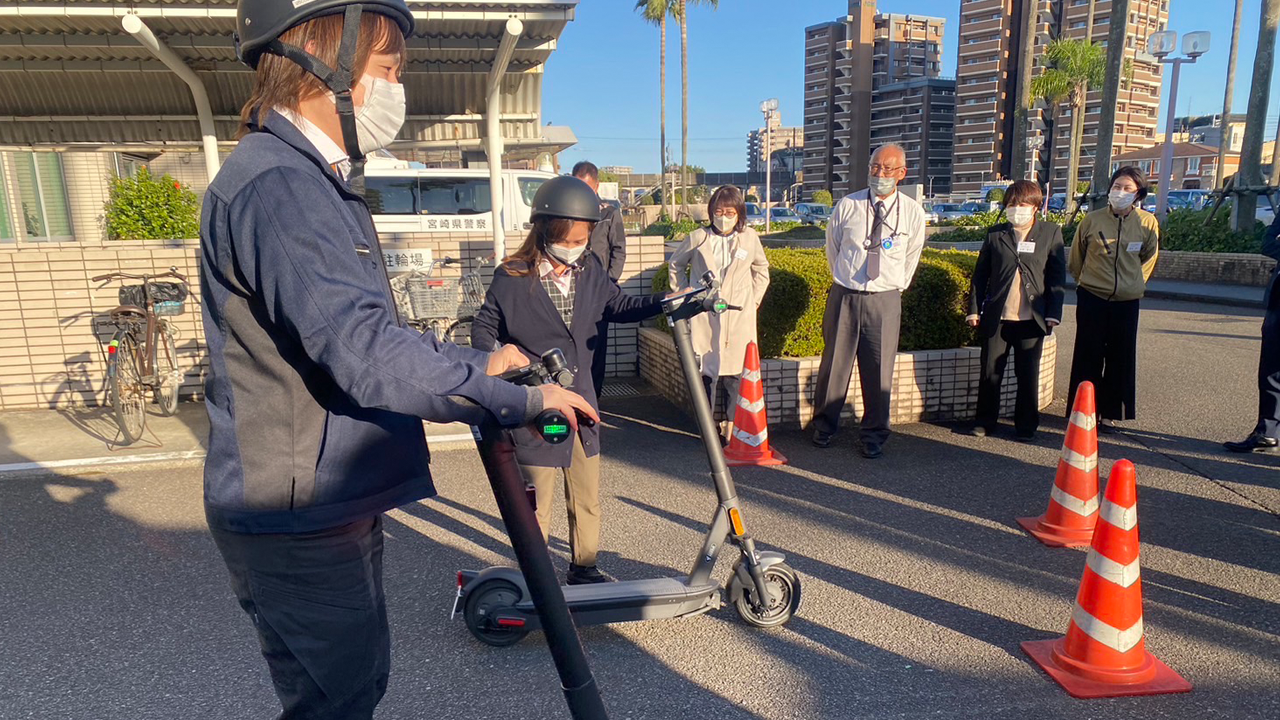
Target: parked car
(930, 217)
(755, 214)
(948, 211)
(813, 213)
(783, 214)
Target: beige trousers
(582, 499)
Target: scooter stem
(580, 690)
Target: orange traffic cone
(1073, 500)
(750, 442)
(1103, 653)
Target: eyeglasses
(885, 169)
(722, 212)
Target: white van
(407, 197)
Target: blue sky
(602, 80)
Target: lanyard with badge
(887, 242)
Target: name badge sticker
(741, 254)
(1026, 246)
(1135, 246)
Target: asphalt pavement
(918, 585)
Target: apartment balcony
(981, 48)
(979, 69)
(986, 26)
(983, 88)
(984, 109)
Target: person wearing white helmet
(316, 389)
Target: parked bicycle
(445, 306)
(143, 354)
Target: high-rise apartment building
(986, 80)
(778, 138)
(873, 78)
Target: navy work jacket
(316, 391)
(517, 310)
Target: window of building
(1193, 166)
(41, 196)
(7, 233)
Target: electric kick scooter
(499, 609)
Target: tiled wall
(929, 386)
(1216, 268)
(52, 344)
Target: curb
(1206, 299)
(440, 442)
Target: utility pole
(1026, 63)
(1110, 96)
(1245, 205)
(1221, 175)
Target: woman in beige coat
(733, 252)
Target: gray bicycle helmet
(260, 23)
(566, 197)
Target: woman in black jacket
(1015, 300)
(552, 293)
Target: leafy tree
(823, 197)
(682, 14)
(656, 12)
(144, 207)
(1073, 65)
(995, 195)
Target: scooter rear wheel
(482, 602)
(785, 588)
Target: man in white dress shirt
(874, 240)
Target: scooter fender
(473, 579)
(742, 578)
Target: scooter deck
(627, 601)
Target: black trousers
(1106, 354)
(1269, 376)
(599, 359)
(316, 601)
(1026, 340)
(864, 326)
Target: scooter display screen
(553, 426)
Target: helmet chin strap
(340, 81)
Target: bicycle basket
(472, 295)
(432, 297)
(160, 292)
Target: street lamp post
(1034, 143)
(1161, 44)
(768, 107)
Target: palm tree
(682, 15)
(1073, 65)
(656, 12)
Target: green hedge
(1186, 230)
(672, 230)
(790, 320)
(800, 232)
(144, 207)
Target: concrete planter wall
(1215, 268)
(929, 385)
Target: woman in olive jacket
(1112, 257)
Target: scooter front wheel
(482, 604)
(784, 586)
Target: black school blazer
(518, 311)
(1044, 275)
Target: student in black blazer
(1265, 437)
(1015, 300)
(554, 293)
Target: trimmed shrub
(1186, 230)
(800, 232)
(672, 230)
(822, 197)
(790, 318)
(144, 207)
(960, 234)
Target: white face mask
(565, 254)
(1020, 215)
(725, 223)
(881, 186)
(380, 118)
(1120, 200)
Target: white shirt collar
(889, 202)
(563, 282)
(329, 150)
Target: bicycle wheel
(128, 394)
(459, 333)
(168, 377)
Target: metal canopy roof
(70, 75)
